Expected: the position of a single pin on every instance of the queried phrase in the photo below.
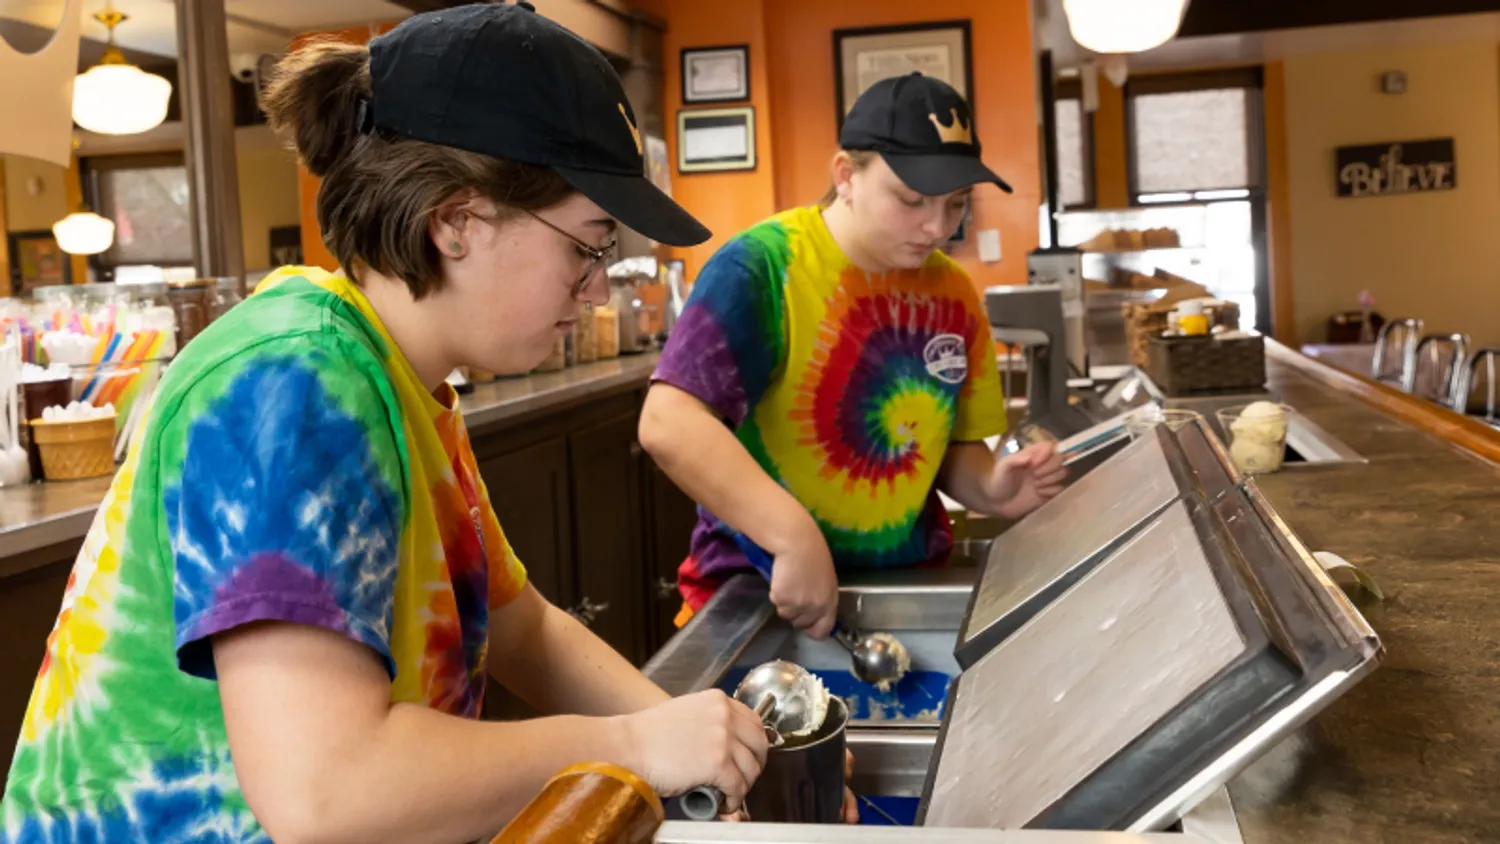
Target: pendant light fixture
(115, 97)
(1123, 26)
(84, 233)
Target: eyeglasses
(597, 257)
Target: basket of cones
(75, 449)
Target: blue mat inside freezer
(918, 697)
(902, 810)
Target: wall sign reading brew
(1399, 167)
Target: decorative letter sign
(1400, 167)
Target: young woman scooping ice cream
(281, 624)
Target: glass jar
(192, 305)
(226, 295)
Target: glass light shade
(119, 99)
(84, 233)
(1123, 26)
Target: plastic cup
(1257, 440)
(1144, 421)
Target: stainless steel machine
(1032, 317)
(1128, 665)
(1104, 668)
(1062, 267)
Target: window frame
(93, 167)
(1072, 89)
(1252, 79)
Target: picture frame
(37, 261)
(864, 56)
(716, 140)
(285, 246)
(716, 74)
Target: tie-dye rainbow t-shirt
(292, 469)
(845, 386)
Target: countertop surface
(38, 515)
(1412, 754)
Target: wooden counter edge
(1441, 422)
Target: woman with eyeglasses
(833, 369)
(281, 622)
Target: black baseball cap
(502, 80)
(923, 130)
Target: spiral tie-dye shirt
(845, 386)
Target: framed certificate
(715, 140)
(716, 74)
(862, 57)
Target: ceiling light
(1123, 26)
(115, 97)
(84, 233)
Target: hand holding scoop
(789, 700)
(879, 658)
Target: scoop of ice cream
(1255, 456)
(898, 652)
(801, 699)
(1262, 421)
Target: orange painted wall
(725, 202)
(1111, 166)
(1279, 205)
(792, 90)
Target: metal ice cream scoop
(798, 701)
(879, 658)
(789, 701)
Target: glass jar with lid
(192, 305)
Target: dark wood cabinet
(28, 611)
(671, 515)
(529, 489)
(608, 533)
(599, 527)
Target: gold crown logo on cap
(634, 132)
(956, 132)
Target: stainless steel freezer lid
(1048, 551)
(1165, 670)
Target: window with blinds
(1195, 137)
(1074, 130)
(147, 197)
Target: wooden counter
(1412, 754)
(37, 516)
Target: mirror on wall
(28, 25)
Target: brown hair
(379, 192)
(861, 159)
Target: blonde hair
(860, 158)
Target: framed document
(715, 140)
(862, 57)
(37, 261)
(716, 74)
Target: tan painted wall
(25, 212)
(1434, 256)
(268, 198)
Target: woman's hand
(699, 739)
(804, 585)
(1026, 480)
